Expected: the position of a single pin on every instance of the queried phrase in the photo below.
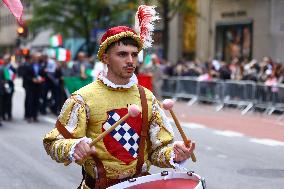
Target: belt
(102, 184)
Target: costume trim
(57, 151)
(165, 119)
(133, 81)
(73, 120)
(154, 131)
(64, 107)
(115, 38)
(144, 167)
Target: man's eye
(122, 54)
(135, 55)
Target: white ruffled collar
(133, 81)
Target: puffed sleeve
(161, 137)
(73, 119)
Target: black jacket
(2, 80)
(30, 74)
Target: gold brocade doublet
(92, 110)
(118, 150)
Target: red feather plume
(144, 23)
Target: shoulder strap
(101, 182)
(63, 131)
(144, 130)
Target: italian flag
(55, 40)
(63, 54)
(9, 74)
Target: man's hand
(82, 150)
(182, 152)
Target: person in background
(156, 70)
(225, 72)
(59, 88)
(81, 65)
(51, 85)
(22, 72)
(10, 74)
(2, 80)
(34, 79)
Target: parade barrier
(239, 93)
(246, 95)
(270, 97)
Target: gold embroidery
(120, 172)
(117, 37)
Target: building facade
(8, 28)
(240, 28)
(224, 29)
(9, 25)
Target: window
(233, 41)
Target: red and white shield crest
(123, 141)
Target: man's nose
(130, 59)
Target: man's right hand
(82, 150)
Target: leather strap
(92, 183)
(102, 181)
(63, 131)
(144, 131)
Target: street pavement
(233, 150)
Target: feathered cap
(144, 26)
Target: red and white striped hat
(144, 26)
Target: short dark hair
(124, 41)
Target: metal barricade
(279, 103)
(270, 98)
(169, 86)
(209, 91)
(187, 87)
(263, 96)
(239, 93)
(245, 94)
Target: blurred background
(220, 60)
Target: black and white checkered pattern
(123, 133)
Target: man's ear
(105, 58)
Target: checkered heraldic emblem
(123, 141)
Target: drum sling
(102, 181)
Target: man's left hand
(182, 152)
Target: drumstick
(133, 111)
(168, 105)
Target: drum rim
(164, 175)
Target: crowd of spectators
(266, 71)
(43, 82)
(44, 87)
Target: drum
(164, 180)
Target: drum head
(167, 184)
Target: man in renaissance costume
(137, 143)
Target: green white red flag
(63, 54)
(55, 40)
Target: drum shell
(164, 180)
